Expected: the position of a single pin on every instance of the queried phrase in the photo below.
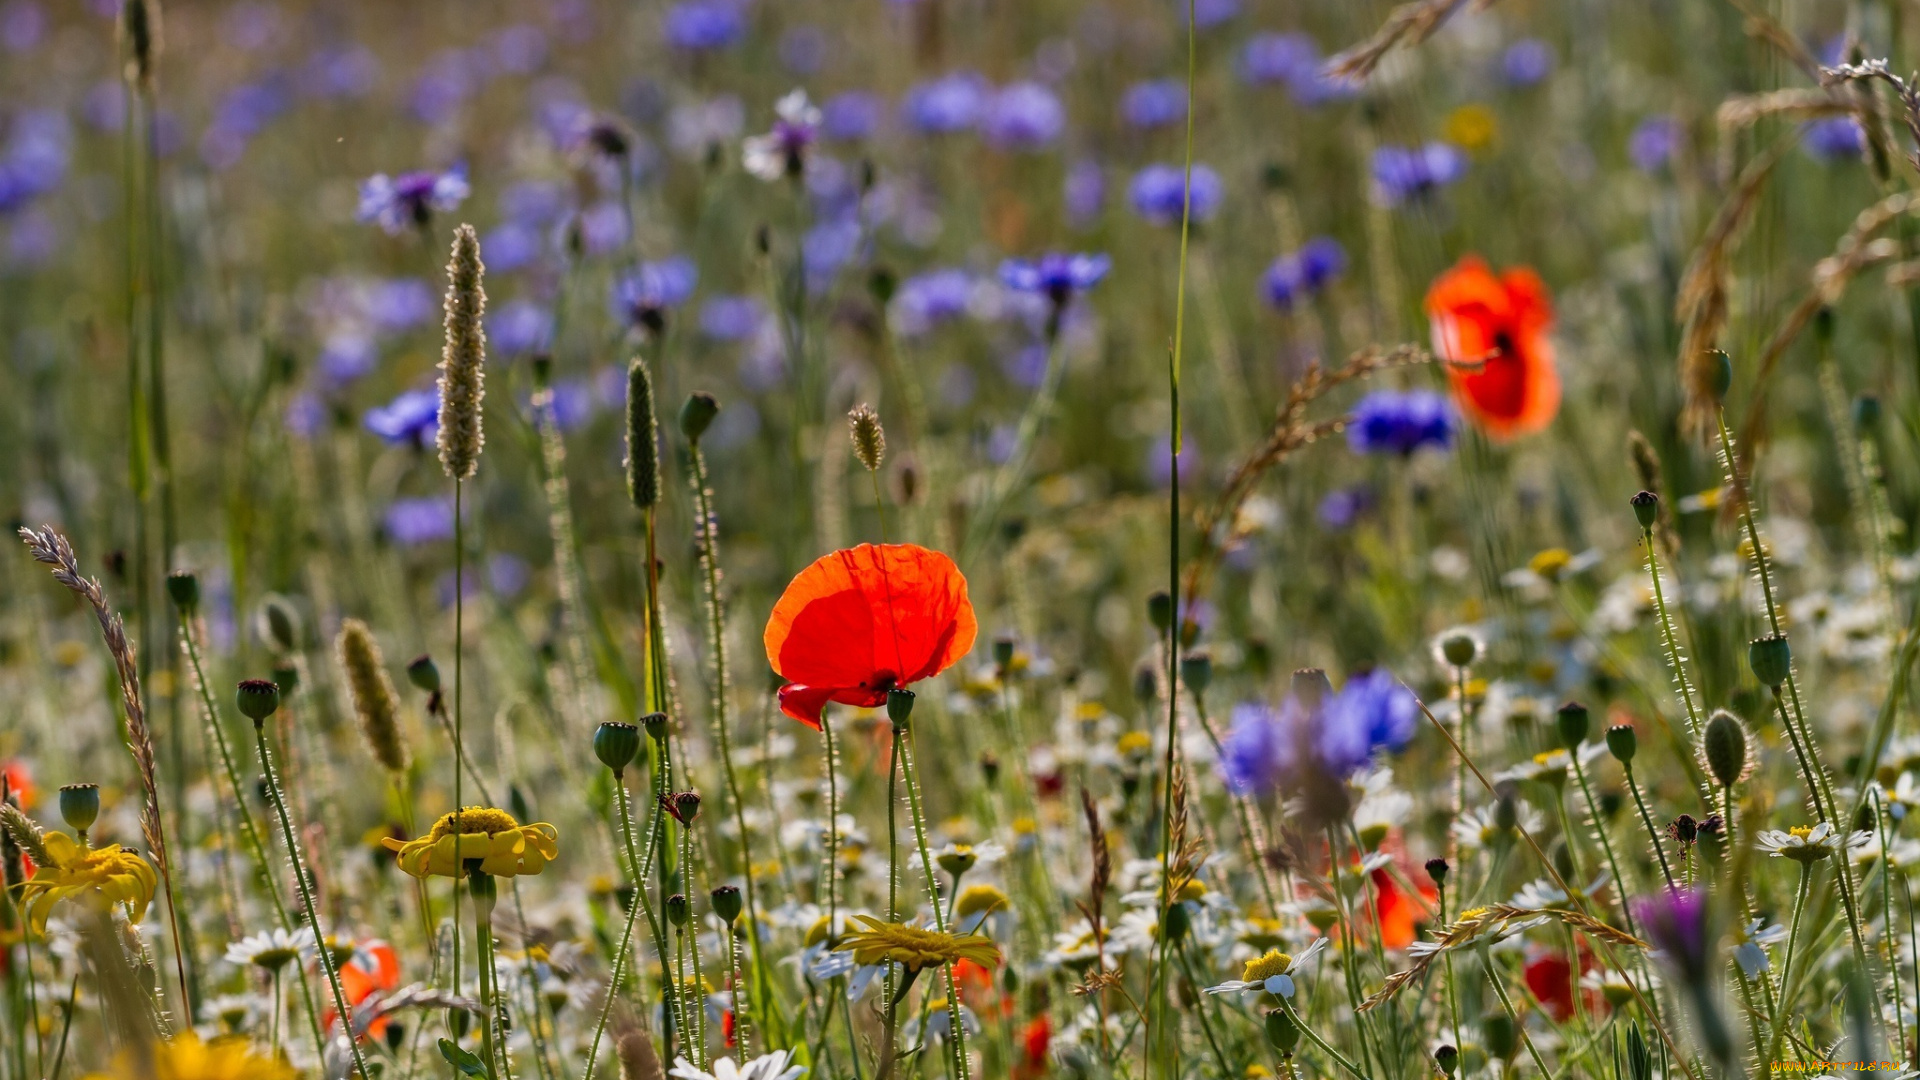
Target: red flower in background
(1034, 1043)
(18, 779)
(866, 620)
(373, 968)
(1550, 977)
(1492, 332)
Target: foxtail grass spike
(371, 689)
(869, 438)
(462, 374)
(643, 437)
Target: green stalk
(963, 1067)
(459, 742)
(641, 901)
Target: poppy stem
(958, 1035)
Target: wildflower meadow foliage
(952, 539)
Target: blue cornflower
(1208, 14)
(411, 199)
(704, 25)
(1055, 275)
(347, 355)
(828, 247)
(511, 246)
(1258, 752)
(397, 304)
(1278, 58)
(1370, 714)
(1391, 422)
(411, 418)
(1653, 143)
(1833, 138)
(1086, 191)
(642, 296)
(519, 327)
(1157, 192)
(1297, 276)
(851, 116)
(948, 104)
(1406, 173)
(347, 71)
(410, 522)
(1340, 509)
(731, 318)
(924, 301)
(1526, 62)
(35, 159)
(1156, 103)
(1023, 116)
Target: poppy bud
(458, 1021)
(1178, 923)
(1646, 509)
(683, 805)
(1771, 659)
(1499, 1034)
(1724, 746)
(1196, 670)
(288, 677)
(1282, 1033)
(1437, 869)
(80, 806)
(1311, 687)
(1459, 649)
(1574, 725)
(1160, 609)
(1506, 812)
(655, 725)
(678, 909)
(899, 707)
(1003, 651)
(184, 590)
(697, 415)
(278, 623)
(1719, 374)
(258, 699)
(881, 283)
(616, 745)
(726, 903)
(423, 673)
(1146, 683)
(1866, 413)
(1622, 742)
(1447, 1057)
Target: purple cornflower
(924, 301)
(411, 199)
(731, 318)
(782, 152)
(519, 327)
(1833, 138)
(804, 49)
(1390, 422)
(1677, 922)
(411, 418)
(946, 105)
(1526, 62)
(510, 247)
(642, 296)
(1023, 116)
(1406, 173)
(397, 304)
(1370, 714)
(1654, 143)
(532, 202)
(1259, 751)
(22, 25)
(520, 49)
(35, 159)
(851, 116)
(347, 71)
(1055, 275)
(704, 25)
(448, 80)
(828, 247)
(1157, 193)
(306, 414)
(1298, 276)
(1340, 509)
(1208, 14)
(410, 522)
(1278, 58)
(347, 355)
(1086, 191)
(1155, 103)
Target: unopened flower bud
(1459, 649)
(1622, 742)
(616, 744)
(1282, 1033)
(1437, 869)
(899, 707)
(424, 674)
(1574, 725)
(1160, 609)
(726, 903)
(1723, 743)
(80, 806)
(183, 588)
(1771, 659)
(1646, 509)
(258, 699)
(697, 415)
(678, 909)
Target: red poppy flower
(1034, 1040)
(19, 782)
(1397, 911)
(1550, 977)
(1492, 332)
(373, 967)
(866, 620)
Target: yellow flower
(1262, 968)
(502, 846)
(1471, 127)
(1551, 563)
(1134, 744)
(187, 1058)
(116, 876)
(914, 948)
(979, 900)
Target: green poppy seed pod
(1506, 812)
(183, 588)
(1438, 869)
(726, 903)
(881, 284)
(686, 806)
(1574, 725)
(375, 704)
(643, 437)
(678, 909)
(1562, 857)
(1646, 509)
(1447, 1057)
(288, 677)
(697, 415)
(1497, 1031)
(1771, 659)
(899, 707)
(1196, 670)
(258, 699)
(424, 674)
(1178, 923)
(1146, 683)
(80, 806)
(1724, 745)
(1719, 374)
(463, 358)
(1282, 1033)
(869, 438)
(278, 624)
(459, 1021)
(1311, 687)
(1003, 651)
(616, 745)
(1866, 413)
(1622, 742)
(1160, 609)
(655, 725)
(1460, 650)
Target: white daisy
(1271, 973)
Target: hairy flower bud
(1723, 746)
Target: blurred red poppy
(1492, 332)
(865, 620)
(18, 779)
(1034, 1043)
(373, 967)
(1398, 912)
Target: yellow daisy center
(1800, 831)
(979, 899)
(1262, 968)
(475, 819)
